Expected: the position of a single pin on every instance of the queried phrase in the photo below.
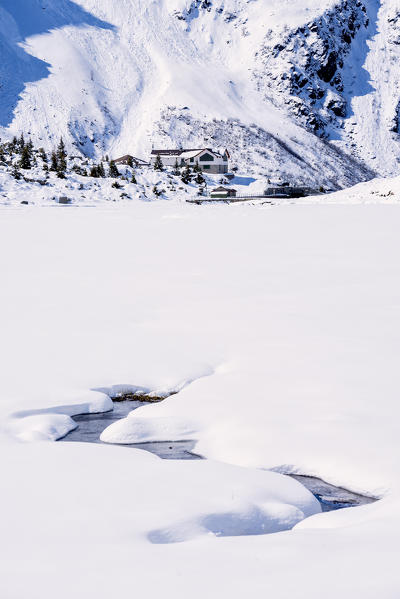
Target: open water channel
(90, 427)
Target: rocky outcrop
(304, 69)
(193, 10)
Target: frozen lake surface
(90, 427)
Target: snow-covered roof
(177, 152)
(193, 153)
(219, 190)
(126, 157)
(190, 153)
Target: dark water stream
(90, 427)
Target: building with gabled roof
(128, 159)
(207, 159)
(223, 192)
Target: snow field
(279, 325)
(285, 320)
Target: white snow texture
(278, 325)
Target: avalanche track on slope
(119, 77)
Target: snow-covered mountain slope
(267, 78)
(338, 73)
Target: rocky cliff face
(305, 69)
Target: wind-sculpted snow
(281, 508)
(53, 423)
(100, 530)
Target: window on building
(206, 166)
(206, 158)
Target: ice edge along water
(90, 427)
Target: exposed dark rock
(327, 70)
(395, 128)
(305, 66)
(142, 397)
(338, 107)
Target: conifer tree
(186, 175)
(199, 179)
(21, 143)
(176, 168)
(54, 162)
(15, 172)
(133, 179)
(25, 160)
(158, 165)
(113, 171)
(13, 145)
(101, 171)
(94, 171)
(61, 160)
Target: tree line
(20, 154)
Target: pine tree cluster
(19, 156)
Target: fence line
(292, 193)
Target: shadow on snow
(19, 20)
(358, 79)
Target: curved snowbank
(259, 504)
(50, 424)
(160, 499)
(134, 429)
